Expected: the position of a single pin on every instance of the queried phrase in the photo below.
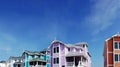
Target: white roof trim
(118, 34)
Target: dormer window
(56, 49)
(83, 46)
(32, 56)
(68, 49)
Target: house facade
(36, 59)
(69, 55)
(112, 51)
(3, 64)
(14, 62)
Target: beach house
(36, 58)
(69, 55)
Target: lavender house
(69, 55)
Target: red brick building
(112, 51)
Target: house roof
(2, 61)
(18, 63)
(69, 45)
(15, 58)
(37, 59)
(117, 34)
(45, 50)
(75, 54)
(42, 52)
(33, 53)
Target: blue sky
(33, 25)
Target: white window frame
(118, 44)
(56, 49)
(118, 57)
(56, 60)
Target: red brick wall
(105, 55)
(110, 49)
(117, 38)
(117, 64)
(110, 56)
(110, 44)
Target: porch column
(74, 61)
(37, 63)
(81, 59)
(33, 63)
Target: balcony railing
(70, 64)
(80, 64)
(38, 66)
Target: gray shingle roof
(71, 54)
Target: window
(116, 45)
(119, 57)
(116, 57)
(63, 65)
(68, 49)
(119, 45)
(83, 46)
(56, 61)
(56, 50)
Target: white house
(3, 64)
(15, 62)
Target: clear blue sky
(33, 25)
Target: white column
(37, 63)
(74, 62)
(81, 60)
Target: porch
(75, 60)
(37, 63)
(17, 64)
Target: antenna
(55, 38)
(118, 34)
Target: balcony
(38, 66)
(72, 64)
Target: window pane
(54, 50)
(119, 57)
(54, 60)
(57, 60)
(68, 49)
(116, 57)
(119, 45)
(116, 45)
(57, 49)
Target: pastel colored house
(112, 51)
(69, 55)
(36, 59)
(14, 62)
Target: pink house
(69, 55)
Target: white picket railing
(38, 66)
(80, 64)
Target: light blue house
(36, 59)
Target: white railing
(80, 64)
(70, 64)
(38, 66)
